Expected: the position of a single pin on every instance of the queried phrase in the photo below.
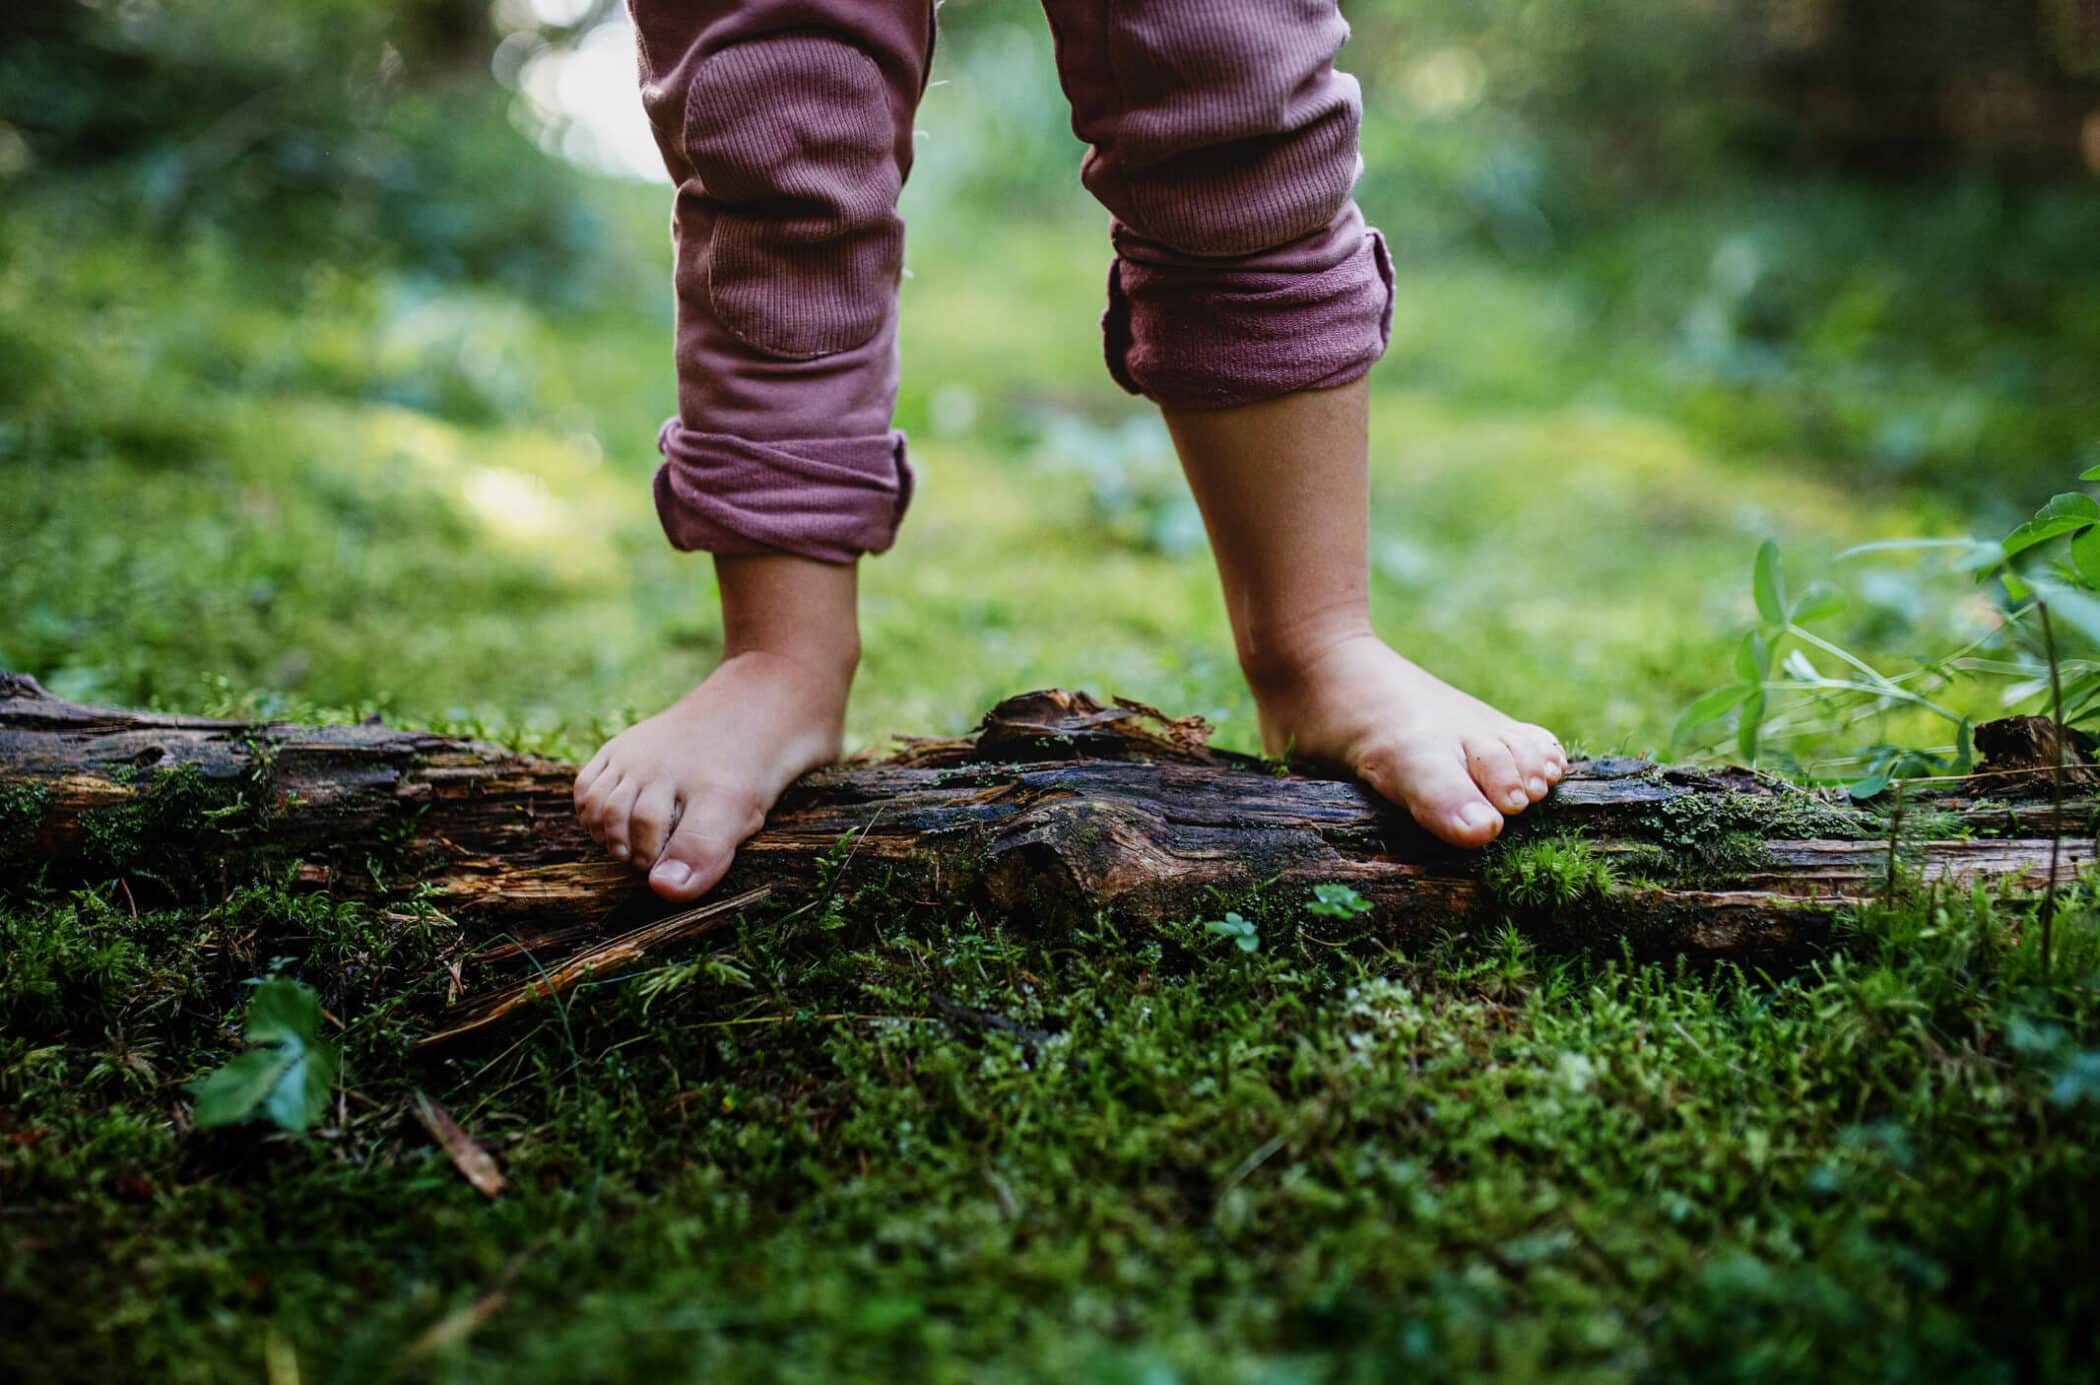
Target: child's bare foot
(1456, 763)
(677, 794)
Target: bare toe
(1550, 750)
(1530, 758)
(701, 848)
(1494, 769)
(619, 817)
(649, 825)
(590, 807)
(1431, 780)
(588, 775)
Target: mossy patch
(1551, 874)
(1714, 838)
(1558, 889)
(22, 809)
(174, 821)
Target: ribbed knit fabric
(787, 125)
(1222, 141)
(1215, 127)
(832, 499)
(790, 137)
(1210, 336)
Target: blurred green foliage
(336, 130)
(1675, 172)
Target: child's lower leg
(1283, 486)
(676, 794)
(787, 127)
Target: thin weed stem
(2056, 781)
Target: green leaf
(1798, 665)
(2080, 691)
(2070, 505)
(283, 1011)
(1240, 930)
(2036, 532)
(1337, 902)
(235, 1092)
(1870, 787)
(288, 1070)
(2091, 473)
(1748, 724)
(2074, 609)
(2085, 556)
(1768, 585)
(2073, 510)
(301, 1095)
(1753, 659)
(1819, 602)
(1706, 707)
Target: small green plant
(287, 1071)
(1856, 686)
(1556, 873)
(1337, 902)
(2047, 566)
(1240, 930)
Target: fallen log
(1058, 808)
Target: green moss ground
(788, 1156)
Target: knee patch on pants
(1240, 136)
(793, 140)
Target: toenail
(619, 852)
(1477, 816)
(1516, 798)
(1537, 787)
(673, 873)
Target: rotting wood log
(1057, 808)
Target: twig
(2056, 795)
(486, 1010)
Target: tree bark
(1058, 808)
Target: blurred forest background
(333, 335)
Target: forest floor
(323, 492)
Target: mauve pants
(1223, 143)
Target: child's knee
(794, 141)
(1237, 134)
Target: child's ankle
(796, 613)
(1279, 662)
(827, 664)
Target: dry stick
(627, 947)
(2056, 795)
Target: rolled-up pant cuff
(1189, 335)
(832, 499)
